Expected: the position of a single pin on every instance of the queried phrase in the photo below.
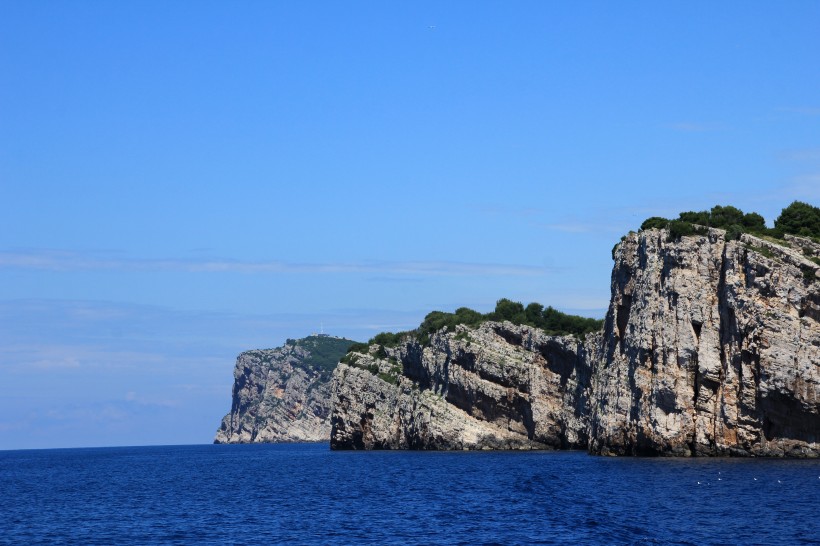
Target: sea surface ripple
(306, 494)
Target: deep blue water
(304, 493)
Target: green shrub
(324, 351)
(558, 323)
(614, 248)
(350, 358)
(391, 378)
(359, 348)
(656, 222)
(724, 216)
(678, 229)
(754, 223)
(701, 218)
(509, 310)
(799, 219)
(733, 232)
(436, 320)
(388, 339)
(548, 319)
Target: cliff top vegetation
(325, 351)
(550, 320)
(799, 218)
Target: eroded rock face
(709, 348)
(280, 395)
(498, 386)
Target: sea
(308, 494)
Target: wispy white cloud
(56, 363)
(40, 357)
(51, 260)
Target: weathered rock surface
(283, 394)
(498, 386)
(710, 347)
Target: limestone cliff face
(283, 394)
(710, 348)
(498, 386)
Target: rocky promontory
(710, 347)
(283, 394)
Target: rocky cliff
(710, 347)
(283, 394)
(497, 386)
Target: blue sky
(181, 182)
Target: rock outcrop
(498, 386)
(709, 347)
(283, 394)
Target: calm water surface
(306, 494)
